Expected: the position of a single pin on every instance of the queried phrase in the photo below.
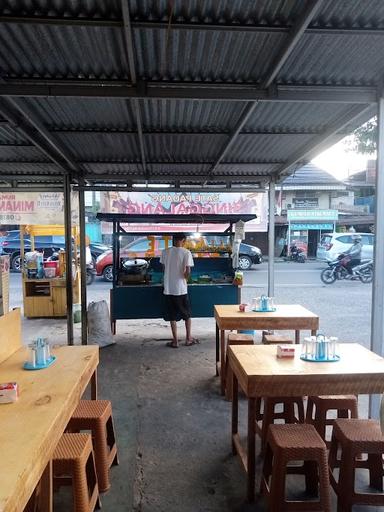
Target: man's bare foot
(192, 341)
(172, 344)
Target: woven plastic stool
(234, 339)
(268, 338)
(356, 437)
(267, 415)
(96, 415)
(345, 405)
(74, 463)
(286, 443)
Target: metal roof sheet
(62, 52)
(235, 43)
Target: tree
(364, 139)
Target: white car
(333, 244)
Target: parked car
(248, 255)
(333, 244)
(10, 244)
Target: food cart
(44, 283)
(140, 295)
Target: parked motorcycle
(296, 254)
(90, 271)
(337, 271)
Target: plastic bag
(99, 324)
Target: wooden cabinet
(47, 297)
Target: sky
(339, 162)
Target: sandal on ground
(171, 344)
(192, 341)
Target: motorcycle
(296, 254)
(337, 271)
(90, 271)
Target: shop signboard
(307, 226)
(186, 203)
(35, 208)
(308, 202)
(308, 215)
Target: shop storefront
(306, 226)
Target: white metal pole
(271, 240)
(377, 318)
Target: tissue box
(285, 351)
(9, 392)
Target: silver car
(333, 244)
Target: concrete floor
(173, 427)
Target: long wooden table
(31, 427)
(261, 374)
(286, 317)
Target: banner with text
(185, 203)
(36, 208)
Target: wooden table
(286, 317)
(261, 374)
(31, 427)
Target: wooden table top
(261, 373)
(286, 316)
(31, 427)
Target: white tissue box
(9, 392)
(285, 351)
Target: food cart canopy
(174, 219)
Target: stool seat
(269, 338)
(234, 339)
(96, 416)
(296, 437)
(295, 442)
(73, 463)
(268, 415)
(356, 437)
(318, 407)
(239, 338)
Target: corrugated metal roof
(83, 113)
(62, 52)
(182, 137)
(101, 146)
(190, 115)
(293, 117)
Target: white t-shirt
(175, 261)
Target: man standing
(177, 262)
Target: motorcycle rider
(354, 252)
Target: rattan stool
(96, 415)
(356, 437)
(234, 339)
(343, 404)
(268, 338)
(299, 442)
(267, 415)
(74, 463)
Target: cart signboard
(186, 203)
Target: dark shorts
(177, 307)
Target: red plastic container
(51, 264)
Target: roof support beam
(187, 90)
(132, 70)
(97, 130)
(312, 7)
(20, 124)
(329, 137)
(180, 25)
